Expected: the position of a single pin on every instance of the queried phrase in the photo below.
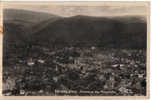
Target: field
(74, 71)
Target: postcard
(75, 50)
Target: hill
(20, 24)
(79, 30)
(25, 16)
(36, 28)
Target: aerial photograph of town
(68, 50)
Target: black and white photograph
(74, 50)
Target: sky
(67, 10)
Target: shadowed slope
(100, 31)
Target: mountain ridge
(82, 26)
(99, 31)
